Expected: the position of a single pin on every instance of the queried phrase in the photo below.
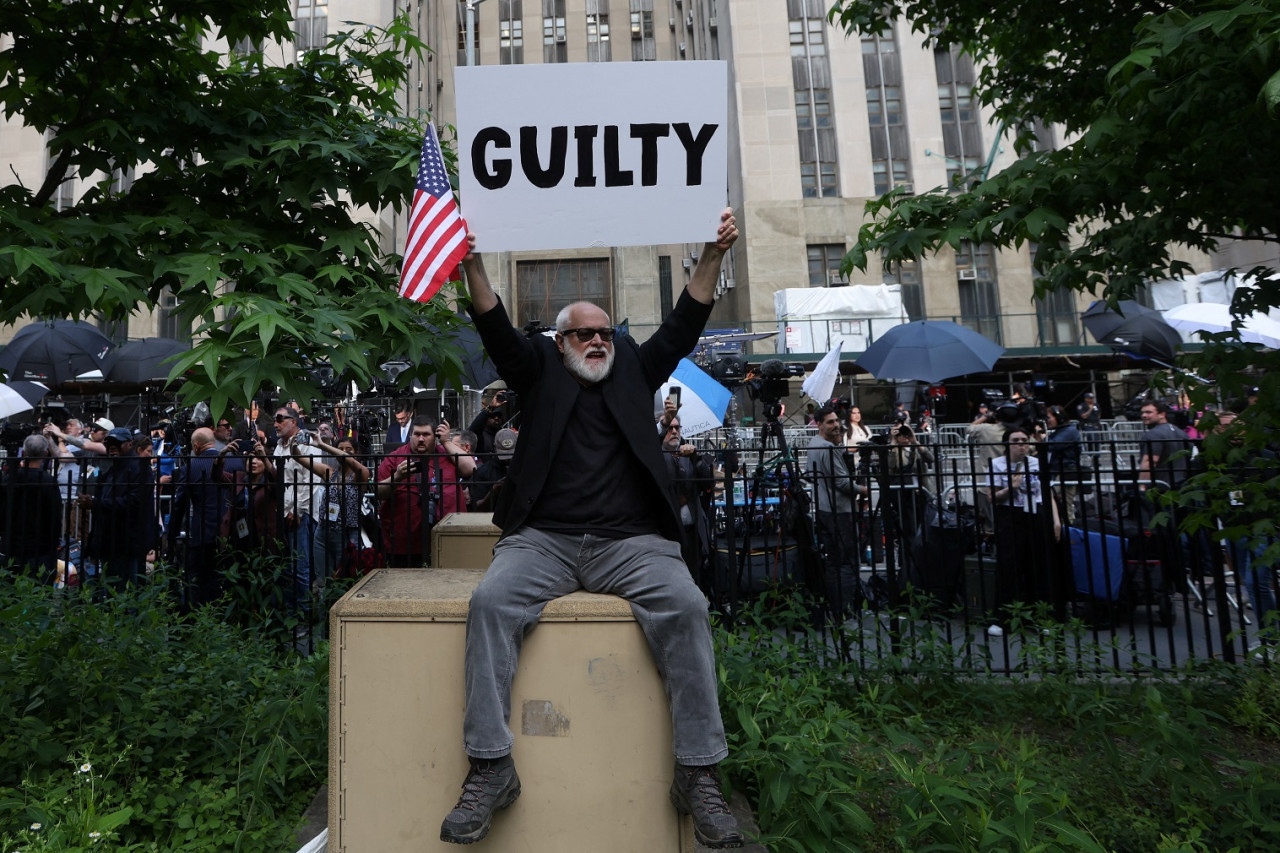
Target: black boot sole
(729, 843)
(472, 837)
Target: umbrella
(703, 400)
(1101, 319)
(822, 381)
(1214, 317)
(58, 352)
(1138, 331)
(145, 360)
(20, 396)
(477, 370)
(929, 351)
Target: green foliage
(207, 737)
(256, 185)
(877, 754)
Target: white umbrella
(1214, 317)
(822, 381)
(703, 400)
(20, 396)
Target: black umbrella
(477, 370)
(929, 351)
(146, 360)
(19, 396)
(57, 352)
(1132, 328)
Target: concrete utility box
(591, 721)
(464, 540)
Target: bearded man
(589, 505)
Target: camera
(772, 385)
(303, 437)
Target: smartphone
(674, 394)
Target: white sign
(572, 155)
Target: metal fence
(917, 544)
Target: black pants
(837, 534)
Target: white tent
(815, 319)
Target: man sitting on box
(591, 508)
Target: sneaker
(490, 786)
(995, 631)
(696, 791)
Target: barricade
(590, 717)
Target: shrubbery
(904, 754)
(155, 731)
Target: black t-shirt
(1160, 444)
(597, 485)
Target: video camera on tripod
(769, 385)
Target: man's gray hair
(35, 447)
(562, 319)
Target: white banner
(575, 155)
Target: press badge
(242, 528)
(335, 512)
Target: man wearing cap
(418, 484)
(121, 510)
(303, 489)
(76, 442)
(1088, 415)
(491, 476)
(589, 505)
(490, 417)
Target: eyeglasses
(584, 335)
(1018, 441)
(282, 418)
(673, 428)
(222, 424)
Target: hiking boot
(491, 785)
(696, 791)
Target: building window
(1058, 318)
(544, 287)
(643, 47)
(811, 77)
(666, 287)
(884, 106)
(961, 135)
(168, 322)
(978, 290)
(889, 174)
(906, 274)
(510, 32)
(824, 265)
(598, 49)
(554, 34)
(311, 27)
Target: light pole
(471, 31)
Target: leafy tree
(1171, 111)
(249, 183)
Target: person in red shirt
(418, 484)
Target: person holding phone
(418, 484)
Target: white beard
(590, 371)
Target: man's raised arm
(483, 299)
(702, 286)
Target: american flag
(437, 239)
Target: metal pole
(471, 32)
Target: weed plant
(896, 751)
(201, 732)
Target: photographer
(491, 418)
(909, 463)
(418, 485)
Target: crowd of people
(101, 503)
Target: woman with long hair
(339, 515)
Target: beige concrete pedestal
(464, 540)
(591, 722)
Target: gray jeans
(531, 567)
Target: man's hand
(686, 450)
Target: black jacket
(532, 367)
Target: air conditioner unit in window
(559, 39)
(836, 279)
(689, 21)
(686, 263)
(711, 22)
(671, 22)
(968, 275)
(682, 48)
(907, 188)
(730, 284)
